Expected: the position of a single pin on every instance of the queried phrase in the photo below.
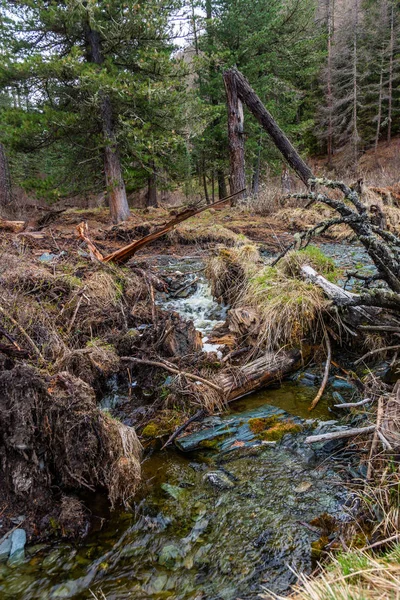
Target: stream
(230, 516)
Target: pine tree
(93, 72)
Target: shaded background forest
(101, 95)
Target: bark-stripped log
(255, 375)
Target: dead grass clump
(229, 270)
(32, 324)
(290, 310)
(351, 576)
(92, 364)
(300, 219)
(204, 233)
(27, 277)
(265, 203)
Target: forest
(200, 299)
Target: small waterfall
(201, 308)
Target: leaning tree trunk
(116, 193)
(235, 136)
(5, 181)
(238, 87)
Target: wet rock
(5, 548)
(18, 541)
(342, 384)
(169, 555)
(307, 378)
(174, 491)
(219, 480)
(338, 398)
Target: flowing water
(212, 524)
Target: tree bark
(5, 181)
(380, 98)
(151, 199)
(116, 193)
(391, 60)
(235, 136)
(331, 29)
(222, 193)
(245, 92)
(258, 373)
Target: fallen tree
(122, 255)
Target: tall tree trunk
(204, 178)
(151, 199)
(355, 83)
(213, 186)
(222, 193)
(235, 136)
(116, 193)
(379, 115)
(391, 60)
(5, 181)
(330, 23)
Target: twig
(78, 304)
(168, 367)
(83, 232)
(381, 542)
(337, 435)
(374, 442)
(326, 373)
(199, 415)
(376, 351)
(353, 404)
(384, 441)
(22, 330)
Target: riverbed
(212, 523)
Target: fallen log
(354, 315)
(124, 254)
(12, 226)
(255, 375)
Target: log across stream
(220, 520)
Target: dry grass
(351, 576)
(205, 232)
(229, 270)
(290, 310)
(276, 307)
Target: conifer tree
(92, 69)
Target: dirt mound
(54, 437)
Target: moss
(259, 424)
(166, 422)
(318, 547)
(150, 431)
(277, 431)
(213, 443)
